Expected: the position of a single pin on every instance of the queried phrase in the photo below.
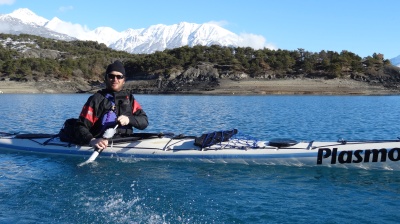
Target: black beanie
(116, 66)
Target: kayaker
(108, 108)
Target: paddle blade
(92, 158)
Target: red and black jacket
(89, 124)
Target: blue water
(53, 189)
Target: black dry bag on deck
(213, 138)
(67, 132)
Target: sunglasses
(112, 76)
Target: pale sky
(363, 27)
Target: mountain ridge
(144, 40)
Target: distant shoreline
(228, 87)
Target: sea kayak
(374, 154)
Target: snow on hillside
(146, 40)
(28, 17)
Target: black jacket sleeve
(139, 119)
(89, 123)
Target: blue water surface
(53, 189)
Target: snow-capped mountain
(28, 17)
(25, 21)
(146, 40)
(160, 37)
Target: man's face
(115, 81)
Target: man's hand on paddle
(123, 120)
(99, 143)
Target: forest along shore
(226, 87)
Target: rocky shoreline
(225, 87)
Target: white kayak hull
(362, 154)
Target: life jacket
(120, 105)
(109, 119)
